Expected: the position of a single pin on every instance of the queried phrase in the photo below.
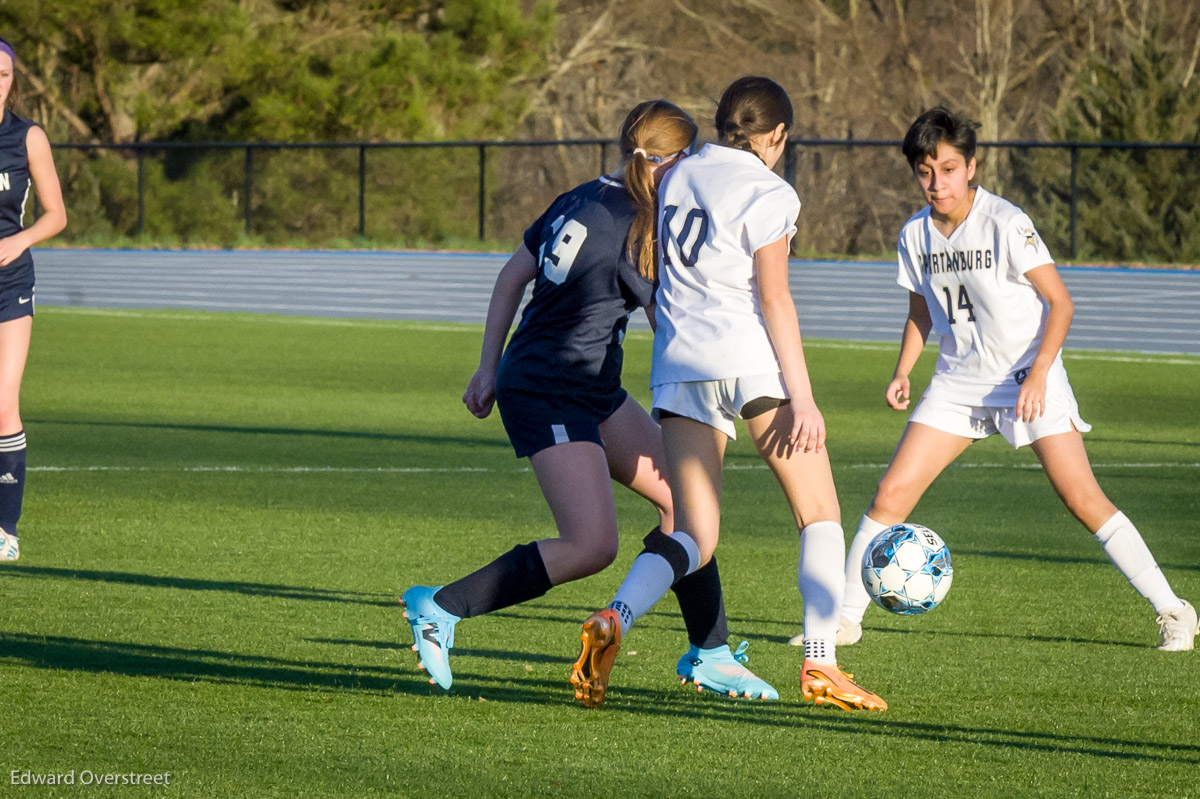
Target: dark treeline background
(123, 71)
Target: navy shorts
(535, 422)
(16, 300)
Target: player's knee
(604, 555)
(10, 415)
(596, 555)
(892, 498)
(1089, 507)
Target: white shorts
(717, 403)
(981, 421)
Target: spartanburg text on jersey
(717, 208)
(987, 313)
(570, 334)
(14, 190)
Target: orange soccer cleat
(601, 640)
(824, 682)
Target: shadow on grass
(192, 665)
(942, 632)
(489, 654)
(1044, 558)
(667, 615)
(353, 435)
(193, 584)
(230, 668)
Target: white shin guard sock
(650, 578)
(1125, 548)
(857, 600)
(822, 552)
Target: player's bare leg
(665, 560)
(575, 481)
(923, 453)
(636, 459)
(1065, 461)
(633, 447)
(14, 350)
(807, 482)
(574, 478)
(695, 454)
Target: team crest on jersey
(1031, 237)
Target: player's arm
(54, 213)
(650, 310)
(783, 327)
(912, 344)
(502, 309)
(1031, 402)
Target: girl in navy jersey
(978, 273)
(728, 347)
(25, 160)
(558, 383)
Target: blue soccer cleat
(723, 672)
(433, 632)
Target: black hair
(935, 126)
(751, 106)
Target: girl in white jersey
(25, 163)
(727, 346)
(980, 276)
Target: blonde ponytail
(653, 130)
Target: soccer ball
(907, 570)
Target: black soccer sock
(516, 576)
(12, 480)
(702, 604)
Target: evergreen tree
(1132, 204)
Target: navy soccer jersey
(569, 340)
(14, 191)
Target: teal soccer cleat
(723, 672)
(433, 632)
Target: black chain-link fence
(1106, 201)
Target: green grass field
(222, 510)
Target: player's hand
(1031, 402)
(808, 427)
(897, 393)
(11, 248)
(481, 392)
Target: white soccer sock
(854, 606)
(822, 551)
(649, 579)
(1125, 548)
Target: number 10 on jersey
(691, 236)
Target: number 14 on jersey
(964, 304)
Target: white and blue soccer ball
(906, 569)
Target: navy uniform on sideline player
(558, 384)
(979, 275)
(25, 159)
(728, 346)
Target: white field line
(519, 469)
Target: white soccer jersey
(716, 209)
(989, 316)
